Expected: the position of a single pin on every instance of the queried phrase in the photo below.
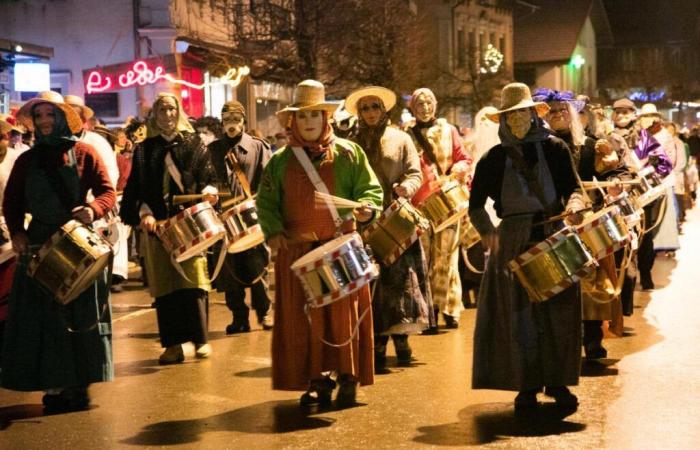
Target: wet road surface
(645, 395)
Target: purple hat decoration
(550, 95)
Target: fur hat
(517, 96)
(24, 115)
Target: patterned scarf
(317, 147)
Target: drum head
(248, 241)
(84, 280)
(198, 248)
(325, 249)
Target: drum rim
(328, 250)
(239, 207)
(254, 232)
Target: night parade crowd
(471, 203)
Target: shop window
(105, 104)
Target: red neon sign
(141, 74)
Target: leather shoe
(266, 322)
(526, 400)
(450, 322)
(562, 395)
(172, 355)
(235, 328)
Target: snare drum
(447, 205)
(553, 265)
(604, 232)
(192, 231)
(334, 270)
(70, 261)
(468, 236)
(650, 188)
(395, 231)
(628, 209)
(241, 222)
(6, 251)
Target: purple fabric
(649, 147)
(550, 95)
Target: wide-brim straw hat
(385, 95)
(74, 100)
(517, 96)
(648, 110)
(24, 115)
(11, 121)
(5, 126)
(309, 95)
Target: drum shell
(70, 261)
(334, 270)
(191, 232)
(604, 232)
(398, 227)
(248, 266)
(446, 206)
(468, 236)
(552, 266)
(242, 227)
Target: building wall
(82, 34)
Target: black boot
(403, 350)
(320, 392)
(526, 400)
(562, 395)
(347, 391)
(450, 322)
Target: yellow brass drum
(468, 236)
(553, 265)
(192, 231)
(241, 222)
(70, 261)
(6, 251)
(604, 232)
(394, 231)
(334, 270)
(446, 206)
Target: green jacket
(354, 180)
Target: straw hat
(385, 95)
(517, 96)
(308, 96)
(24, 115)
(7, 120)
(649, 110)
(74, 100)
(5, 126)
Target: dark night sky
(646, 21)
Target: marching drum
(6, 251)
(627, 205)
(68, 263)
(604, 232)
(241, 222)
(192, 231)
(447, 205)
(650, 188)
(334, 270)
(553, 265)
(468, 236)
(395, 231)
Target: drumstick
(177, 199)
(591, 185)
(340, 202)
(234, 200)
(561, 216)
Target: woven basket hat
(649, 110)
(517, 96)
(24, 115)
(385, 95)
(310, 95)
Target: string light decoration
(141, 74)
(492, 60)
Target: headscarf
(414, 97)
(317, 147)
(369, 137)
(538, 132)
(183, 125)
(60, 136)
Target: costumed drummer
(519, 345)
(251, 155)
(171, 161)
(594, 158)
(50, 182)
(295, 227)
(442, 156)
(401, 302)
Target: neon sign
(142, 74)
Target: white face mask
(167, 115)
(519, 122)
(424, 108)
(234, 124)
(310, 124)
(622, 117)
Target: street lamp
(578, 61)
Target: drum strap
(427, 148)
(232, 163)
(174, 173)
(530, 177)
(317, 182)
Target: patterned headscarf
(317, 147)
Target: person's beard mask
(234, 124)
(519, 122)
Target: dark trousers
(260, 301)
(592, 333)
(646, 254)
(182, 317)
